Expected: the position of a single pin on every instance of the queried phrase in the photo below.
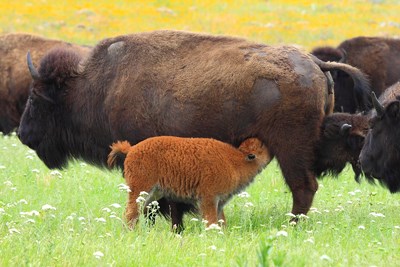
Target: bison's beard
(53, 155)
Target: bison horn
(378, 106)
(344, 56)
(34, 73)
(345, 128)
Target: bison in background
(176, 83)
(377, 57)
(201, 171)
(380, 156)
(15, 77)
(342, 138)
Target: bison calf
(201, 171)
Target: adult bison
(377, 57)
(341, 141)
(14, 76)
(183, 84)
(380, 155)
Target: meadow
(74, 217)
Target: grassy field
(73, 217)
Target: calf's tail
(362, 88)
(118, 152)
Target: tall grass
(73, 217)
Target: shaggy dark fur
(14, 76)
(380, 156)
(377, 57)
(342, 138)
(133, 87)
(201, 171)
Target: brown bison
(380, 155)
(175, 83)
(201, 171)
(377, 57)
(341, 141)
(15, 77)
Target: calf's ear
(393, 110)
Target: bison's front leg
(296, 165)
(303, 184)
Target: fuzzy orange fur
(202, 171)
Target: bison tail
(362, 88)
(118, 152)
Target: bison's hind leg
(132, 209)
(209, 209)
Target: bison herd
(314, 112)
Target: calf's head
(255, 150)
(43, 119)
(380, 156)
(342, 138)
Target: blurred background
(306, 23)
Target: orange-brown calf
(202, 171)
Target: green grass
(341, 229)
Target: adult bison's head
(342, 138)
(380, 156)
(43, 120)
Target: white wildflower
(204, 221)
(325, 257)
(396, 227)
(29, 157)
(194, 220)
(248, 204)
(213, 226)
(213, 247)
(30, 213)
(98, 254)
(70, 218)
(244, 195)
(361, 227)
(13, 189)
(8, 183)
(143, 194)
(293, 223)
(115, 205)
(375, 214)
(309, 240)
(282, 233)
(290, 215)
(100, 220)
(23, 201)
(13, 231)
(35, 171)
(178, 236)
(56, 173)
(83, 164)
(303, 216)
(140, 200)
(106, 209)
(2, 211)
(221, 221)
(30, 221)
(2, 167)
(81, 218)
(352, 193)
(124, 187)
(319, 222)
(327, 211)
(48, 207)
